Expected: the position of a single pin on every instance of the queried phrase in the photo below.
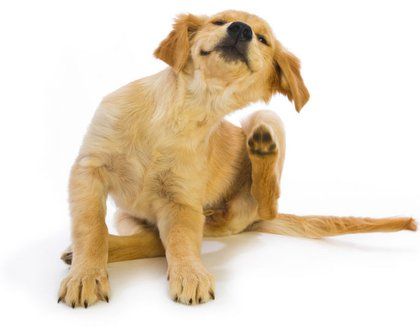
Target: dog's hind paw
(261, 141)
(67, 256)
(412, 225)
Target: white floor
(349, 283)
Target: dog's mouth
(230, 50)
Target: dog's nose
(240, 31)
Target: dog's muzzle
(234, 47)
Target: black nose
(240, 31)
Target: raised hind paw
(261, 142)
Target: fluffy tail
(321, 226)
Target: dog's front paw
(261, 142)
(83, 287)
(190, 283)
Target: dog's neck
(191, 103)
(189, 107)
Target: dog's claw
(73, 304)
(59, 299)
(212, 295)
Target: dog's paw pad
(261, 142)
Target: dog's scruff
(177, 170)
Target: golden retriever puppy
(177, 170)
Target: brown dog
(177, 170)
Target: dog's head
(236, 51)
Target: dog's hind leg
(255, 198)
(266, 149)
(240, 212)
(140, 240)
(145, 244)
(258, 195)
(266, 144)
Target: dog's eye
(219, 22)
(262, 39)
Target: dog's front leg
(181, 231)
(87, 281)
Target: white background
(353, 150)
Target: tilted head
(237, 51)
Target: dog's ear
(287, 79)
(175, 48)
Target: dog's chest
(160, 174)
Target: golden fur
(177, 170)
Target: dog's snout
(240, 31)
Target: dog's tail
(145, 242)
(322, 226)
